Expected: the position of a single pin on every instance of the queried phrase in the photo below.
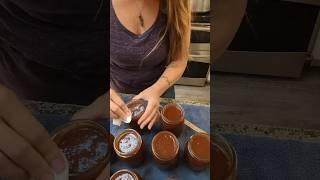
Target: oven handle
(200, 28)
(205, 58)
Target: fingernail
(58, 165)
(128, 119)
(47, 177)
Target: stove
(198, 69)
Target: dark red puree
(165, 146)
(173, 114)
(200, 146)
(84, 148)
(173, 118)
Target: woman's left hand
(151, 114)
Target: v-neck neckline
(130, 32)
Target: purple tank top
(130, 71)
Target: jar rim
(119, 137)
(59, 132)
(177, 147)
(192, 153)
(165, 119)
(135, 176)
(226, 148)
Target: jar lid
(127, 143)
(172, 113)
(199, 147)
(85, 144)
(165, 145)
(125, 174)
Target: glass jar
(125, 174)
(197, 151)
(86, 145)
(165, 149)
(172, 118)
(224, 164)
(129, 147)
(137, 108)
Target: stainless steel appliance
(198, 69)
(200, 6)
(275, 38)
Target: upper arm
(227, 17)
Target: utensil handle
(194, 127)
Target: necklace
(141, 20)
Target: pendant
(141, 20)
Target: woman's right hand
(118, 109)
(26, 149)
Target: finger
(96, 110)
(154, 120)
(113, 115)
(23, 154)
(148, 111)
(152, 116)
(117, 110)
(137, 97)
(10, 170)
(115, 98)
(23, 123)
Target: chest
(136, 16)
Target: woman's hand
(151, 115)
(118, 109)
(99, 109)
(26, 149)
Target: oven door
(275, 44)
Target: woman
(149, 52)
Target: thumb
(137, 97)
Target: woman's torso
(54, 47)
(131, 70)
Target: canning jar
(129, 147)
(86, 146)
(197, 151)
(125, 174)
(137, 108)
(172, 118)
(224, 164)
(165, 149)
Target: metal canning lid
(121, 136)
(124, 171)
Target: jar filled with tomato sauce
(125, 174)
(224, 164)
(165, 149)
(197, 151)
(86, 146)
(172, 118)
(129, 147)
